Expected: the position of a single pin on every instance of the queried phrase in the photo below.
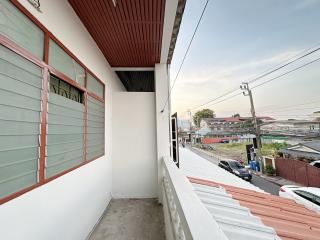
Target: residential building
(308, 151)
(228, 126)
(300, 128)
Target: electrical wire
(186, 53)
(270, 80)
(265, 73)
(286, 73)
(278, 68)
(290, 106)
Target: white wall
(134, 158)
(163, 118)
(68, 207)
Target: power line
(270, 80)
(286, 73)
(185, 55)
(212, 100)
(289, 110)
(278, 68)
(293, 105)
(264, 74)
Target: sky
(238, 40)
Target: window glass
(95, 86)
(317, 165)
(306, 195)
(235, 164)
(61, 61)
(20, 106)
(95, 130)
(65, 134)
(20, 29)
(65, 89)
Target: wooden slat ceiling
(128, 34)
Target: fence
(298, 171)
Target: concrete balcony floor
(131, 219)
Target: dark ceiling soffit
(137, 81)
(176, 28)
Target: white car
(307, 196)
(315, 163)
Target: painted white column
(162, 84)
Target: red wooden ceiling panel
(130, 34)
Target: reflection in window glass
(20, 29)
(61, 61)
(66, 90)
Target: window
(308, 196)
(65, 89)
(61, 61)
(317, 165)
(95, 131)
(235, 164)
(20, 29)
(49, 122)
(95, 86)
(20, 107)
(65, 134)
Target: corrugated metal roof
(236, 221)
(315, 145)
(247, 214)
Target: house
(228, 125)
(308, 151)
(292, 128)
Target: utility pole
(247, 92)
(190, 127)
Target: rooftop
(247, 214)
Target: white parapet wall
(134, 153)
(186, 217)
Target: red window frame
(47, 71)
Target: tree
(236, 115)
(204, 113)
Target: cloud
(224, 72)
(197, 87)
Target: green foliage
(236, 115)
(272, 148)
(204, 113)
(270, 170)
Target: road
(256, 180)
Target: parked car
(236, 168)
(307, 196)
(315, 163)
(206, 147)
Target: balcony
(131, 219)
(180, 216)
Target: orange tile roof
(291, 221)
